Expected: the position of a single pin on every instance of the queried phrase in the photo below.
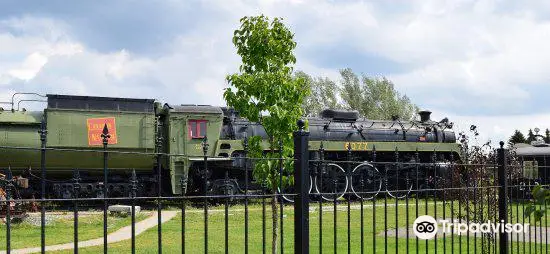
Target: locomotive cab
(189, 128)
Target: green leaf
(265, 91)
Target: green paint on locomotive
(19, 129)
(186, 128)
(135, 132)
(66, 122)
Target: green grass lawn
(373, 236)
(60, 230)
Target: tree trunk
(275, 217)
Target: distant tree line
(373, 97)
(518, 137)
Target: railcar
(530, 167)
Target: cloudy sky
(477, 62)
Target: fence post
(9, 185)
(502, 198)
(105, 138)
(301, 183)
(76, 190)
(159, 186)
(43, 135)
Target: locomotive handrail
(19, 103)
(13, 98)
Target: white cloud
(493, 53)
(30, 67)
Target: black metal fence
(334, 206)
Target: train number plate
(95, 129)
(356, 146)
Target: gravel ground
(35, 218)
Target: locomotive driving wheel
(398, 181)
(332, 183)
(366, 181)
(289, 190)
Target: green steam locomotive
(138, 128)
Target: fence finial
(301, 124)
(501, 144)
(105, 135)
(205, 145)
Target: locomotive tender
(74, 125)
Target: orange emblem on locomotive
(95, 129)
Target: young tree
(265, 91)
(516, 138)
(547, 136)
(541, 197)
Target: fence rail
(334, 205)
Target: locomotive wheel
(225, 189)
(366, 181)
(334, 182)
(398, 184)
(290, 189)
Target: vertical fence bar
(335, 212)
(76, 189)
(133, 192)
(426, 194)
(502, 195)
(545, 182)
(320, 178)
(525, 185)
(43, 134)
(516, 198)
(348, 171)
(452, 201)
(434, 186)
(444, 178)
(281, 216)
(226, 211)
(362, 184)
(8, 210)
(159, 188)
(183, 184)
(397, 170)
(205, 178)
(263, 218)
(105, 136)
(407, 181)
(374, 204)
(301, 182)
(417, 167)
(386, 211)
(246, 194)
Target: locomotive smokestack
(425, 115)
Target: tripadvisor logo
(426, 227)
